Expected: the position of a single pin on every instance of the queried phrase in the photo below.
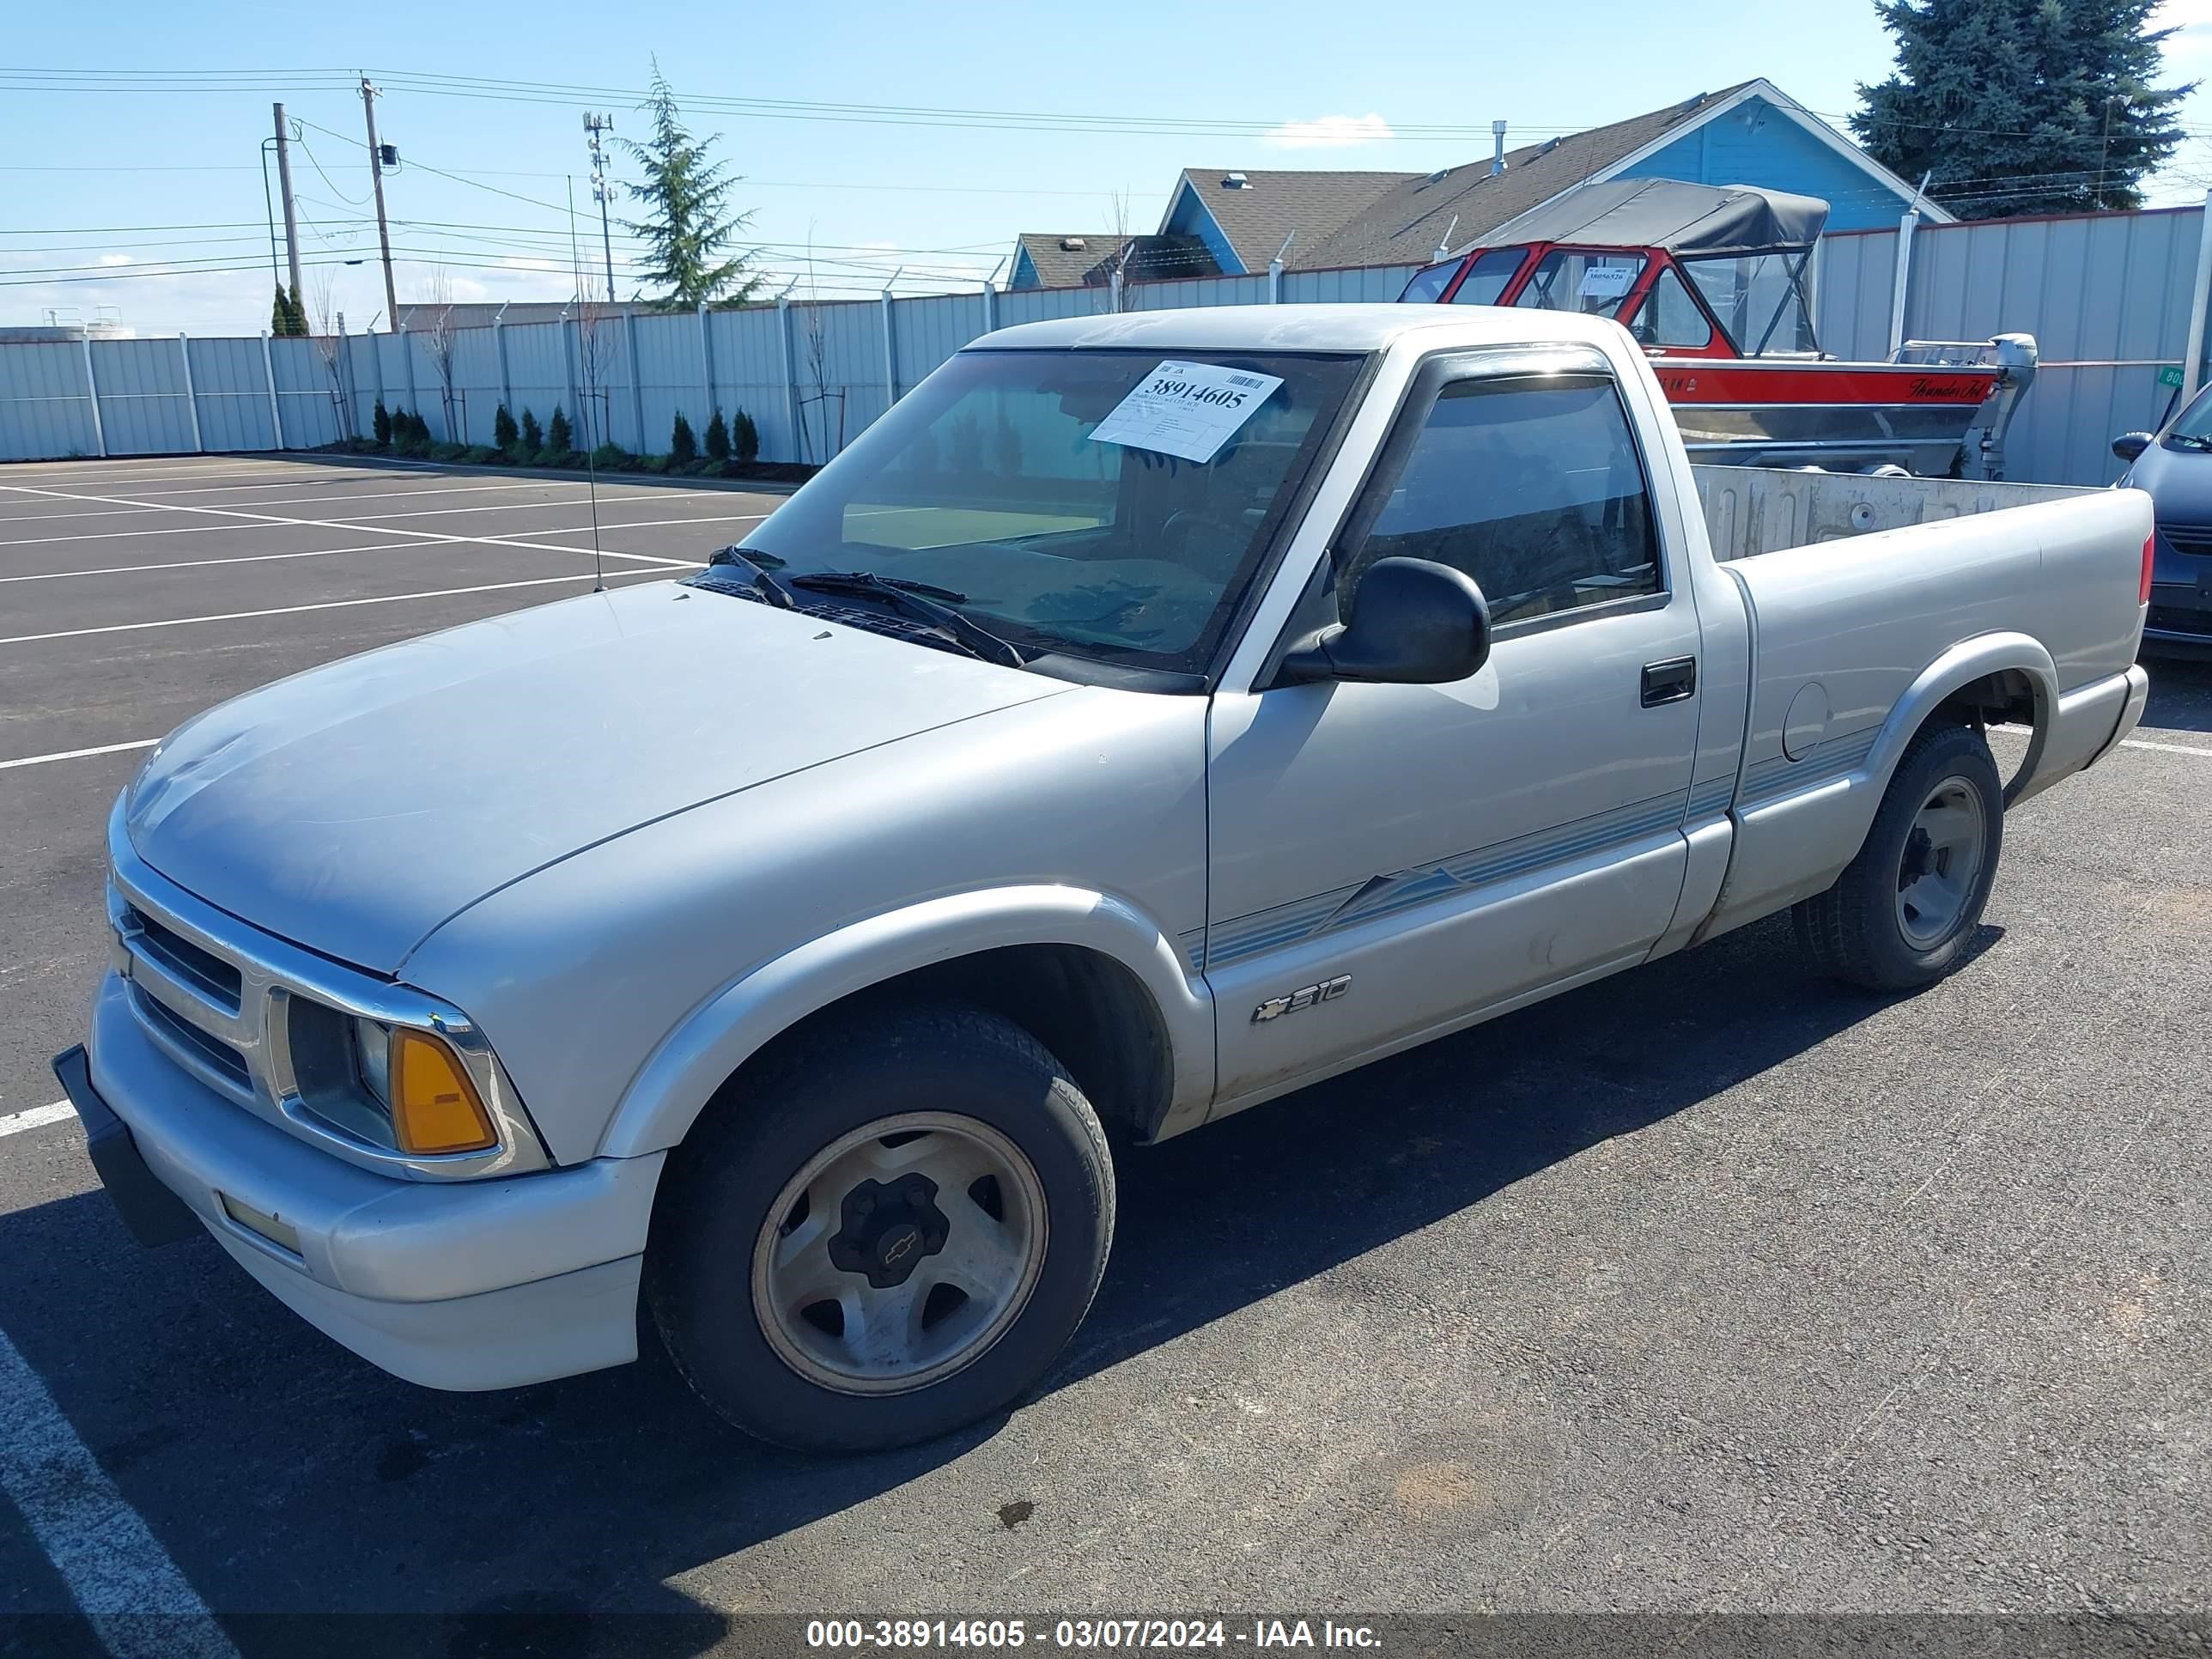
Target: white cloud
(117, 260)
(1329, 132)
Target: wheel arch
(2007, 675)
(1100, 984)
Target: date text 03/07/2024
(925, 1635)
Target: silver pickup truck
(1151, 714)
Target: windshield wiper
(754, 565)
(924, 600)
(2188, 440)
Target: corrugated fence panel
(839, 365)
(749, 376)
(1853, 297)
(142, 411)
(476, 385)
(536, 371)
(230, 379)
(306, 390)
(1038, 305)
(927, 331)
(1379, 282)
(672, 373)
(45, 408)
(1188, 291)
(2107, 300)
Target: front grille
(219, 981)
(2173, 619)
(2194, 539)
(221, 1055)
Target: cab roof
(1362, 327)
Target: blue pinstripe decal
(1770, 778)
(1711, 796)
(1408, 889)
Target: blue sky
(99, 178)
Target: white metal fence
(2108, 297)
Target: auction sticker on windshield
(1188, 409)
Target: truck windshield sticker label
(1607, 282)
(1188, 409)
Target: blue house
(1230, 220)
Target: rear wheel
(892, 1234)
(1903, 911)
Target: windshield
(2193, 428)
(1592, 281)
(991, 480)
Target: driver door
(1389, 860)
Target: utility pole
(594, 125)
(383, 230)
(291, 213)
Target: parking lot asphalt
(1709, 1288)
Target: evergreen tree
(744, 438)
(682, 446)
(505, 434)
(718, 438)
(533, 438)
(688, 227)
(287, 317)
(382, 423)
(559, 436)
(2020, 107)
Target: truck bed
(1754, 510)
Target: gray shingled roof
(1058, 266)
(1149, 259)
(1271, 206)
(1406, 224)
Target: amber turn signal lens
(435, 1107)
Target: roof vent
(1235, 181)
(1547, 147)
(1072, 245)
(1438, 177)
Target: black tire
(722, 1182)
(1854, 930)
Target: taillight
(2150, 552)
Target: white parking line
(72, 754)
(324, 604)
(61, 1111)
(132, 1595)
(374, 529)
(2165, 748)
(365, 520)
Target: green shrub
(560, 438)
(717, 468)
(610, 456)
(532, 439)
(718, 439)
(505, 434)
(682, 446)
(655, 462)
(481, 454)
(382, 423)
(745, 438)
(449, 452)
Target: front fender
(681, 1074)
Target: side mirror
(2130, 445)
(1417, 623)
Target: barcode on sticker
(1243, 379)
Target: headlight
(372, 1058)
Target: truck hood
(353, 808)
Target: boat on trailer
(1711, 280)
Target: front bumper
(2180, 618)
(458, 1285)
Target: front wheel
(1903, 911)
(892, 1233)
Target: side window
(1532, 487)
(1669, 317)
(1428, 286)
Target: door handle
(1671, 680)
